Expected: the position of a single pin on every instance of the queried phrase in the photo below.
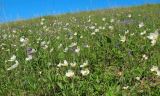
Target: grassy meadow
(113, 52)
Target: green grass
(112, 64)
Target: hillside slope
(110, 52)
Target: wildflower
(154, 68)
(73, 44)
(112, 20)
(30, 51)
(92, 27)
(125, 87)
(66, 49)
(85, 72)
(14, 31)
(158, 72)
(60, 45)
(103, 19)
(51, 50)
(137, 78)
(71, 37)
(132, 34)
(141, 25)
(43, 43)
(57, 37)
(129, 15)
(73, 64)
(29, 58)
(111, 27)
(67, 24)
(84, 64)
(40, 72)
(93, 33)
(127, 31)
(65, 63)
(24, 41)
(13, 58)
(14, 65)
(81, 36)
(122, 38)
(77, 50)
(75, 34)
(41, 23)
(69, 73)
(142, 33)
(153, 37)
(42, 19)
(96, 30)
(86, 46)
(145, 57)
(60, 64)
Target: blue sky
(12, 10)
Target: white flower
(92, 27)
(75, 33)
(84, 64)
(127, 31)
(77, 50)
(60, 45)
(24, 41)
(57, 37)
(14, 31)
(93, 33)
(125, 87)
(65, 63)
(81, 36)
(112, 20)
(89, 20)
(51, 50)
(85, 72)
(73, 44)
(103, 19)
(142, 33)
(66, 49)
(153, 37)
(122, 38)
(96, 30)
(45, 47)
(41, 23)
(138, 78)
(42, 19)
(13, 58)
(70, 73)
(154, 68)
(129, 15)
(145, 57)
(86, 46)
(141, 25)
(111, 27)
(60, 64)
(132, 34)
(14, 65)
(71, 37)
(158, 72)
(29, 58)
(73, 64)
(43, 43)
